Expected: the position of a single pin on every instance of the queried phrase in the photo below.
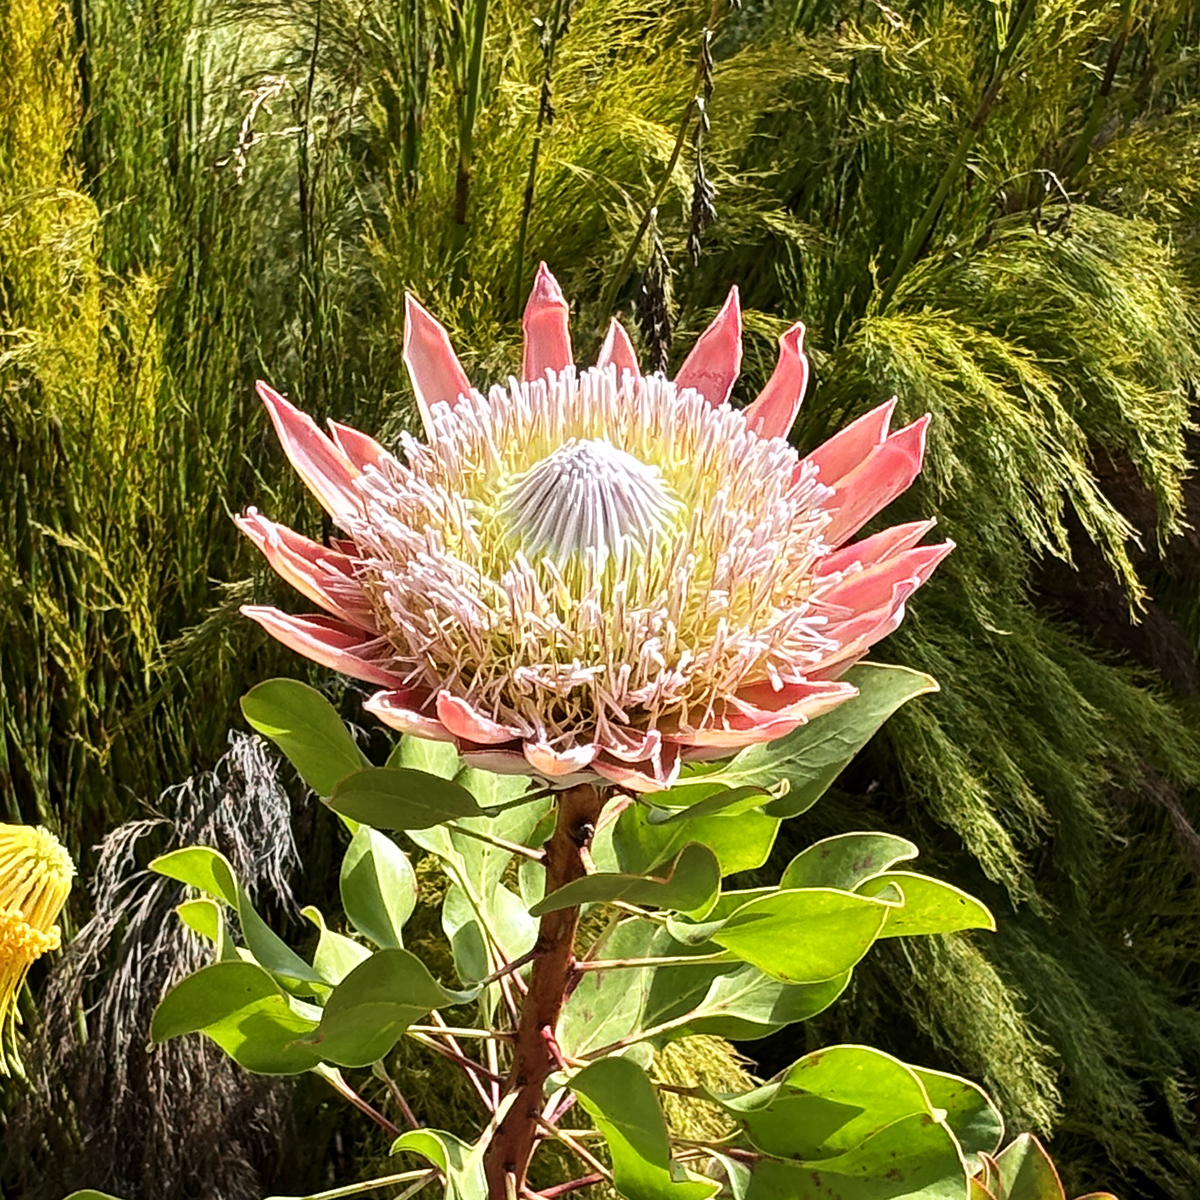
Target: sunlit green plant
(581, 591)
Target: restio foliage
(990, 210)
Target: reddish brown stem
(561, 1189)
(553, 964)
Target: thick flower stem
(534, 1057)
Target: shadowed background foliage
(988, 209)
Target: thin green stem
(626, 266)
(355, 1189)
(1083, 147)
(685, 124)
(544, 109)
(581, 1152)
(458, 1031)
(678, 960)
(466, 136)
(500, 843)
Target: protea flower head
(595, 574)
(35, 880)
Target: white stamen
(589, 495)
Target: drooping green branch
(924, 226)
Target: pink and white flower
(597, 574)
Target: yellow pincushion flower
(35, 880)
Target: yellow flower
(35, 880)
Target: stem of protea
(533, 1053)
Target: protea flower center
(596, 573)
(589, 497)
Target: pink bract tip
(716, 358)
(618, 351)
(328, 473)
(437, 375)
(772, 414)
(547, 341)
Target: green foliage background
(987, 208)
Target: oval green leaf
(804, 936)
(689, 883)
(336, 955)
(307, 728)
(245, 1012)
(741, 841)
(846, 860)
(368, 1012)
(812, 757)
(930, 906)
(621, 1100)
(460, 1163)
(401, 798)
(378, 887)
(208, 870)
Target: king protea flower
(35, 880)
(595, 574)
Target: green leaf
(468, 942)
(401, 798)
(378, 887)
(804, 936)
(913, 1156)
(204, 916)
(695, 933)
(828, 1102)
(930, 906)
(243, 1010)
(913, 1159)
(307, 728)
(621, 1100)
(207, 869)
(733, 1000)
(972, 1117)
(88, 1194)
(812, 757)
(336, 955)
(878, 1088)
(729, 801)
(859, 1125)
(1026, 1172)
(846, 860)
(745, 1004)
(688, 883)
(423, 754)
(509, 925)
(368, 1012)
(607, 1006)
(460, 1163)
(477, 867)
(741, 841)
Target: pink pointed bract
(598, 574)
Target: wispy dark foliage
(106, 1110)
